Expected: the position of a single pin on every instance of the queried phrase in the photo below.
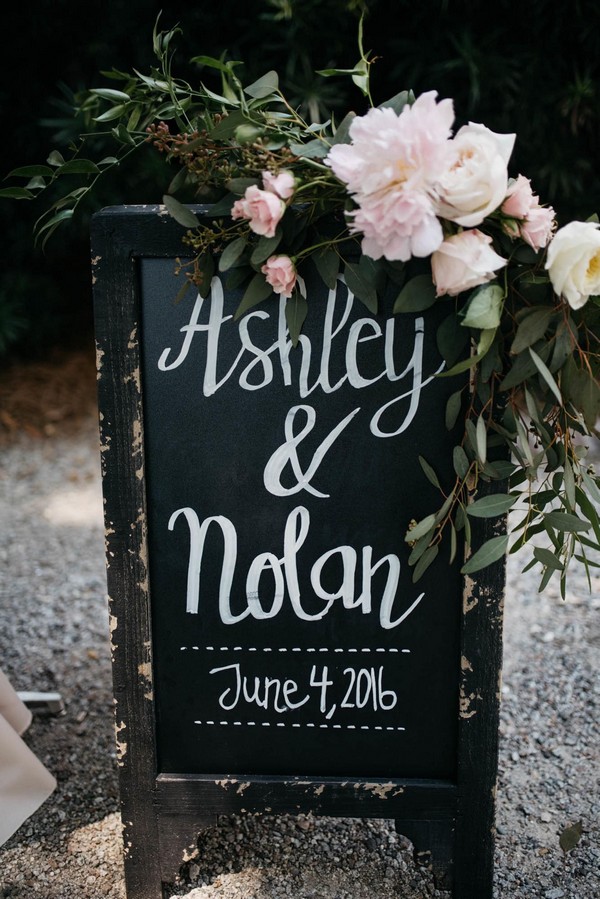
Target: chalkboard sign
(271, 651)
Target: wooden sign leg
(433, 843)
(177, 839)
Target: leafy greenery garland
(534, 362)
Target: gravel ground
(54, 637)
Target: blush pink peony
(262, 208)
(391, 168)
(464, 261)
(280, 273)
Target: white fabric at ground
(24, 782)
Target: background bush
(534, 71)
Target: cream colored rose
(573, 262)
(476, 177)
(464, 261)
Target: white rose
(463, 261)
(573, 262)
(476, 178)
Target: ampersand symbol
(288, 452)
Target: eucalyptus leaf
(417, 295)
(532, 328)
(360, 76)
(546, 374)
(569, 483)
(314, 149)
(108, 93)
(489, 552)
(232, 253)
(16, 193)
(206, 268)
(182, 214)
(327, 263)
(115, 112)
(460, 462)
(265, 247)
(429, 472)
(342, 132)
(78, 167)
(425, 561)
(362, 287)
(226, 128)
(263, 87)
(296, 309)
(481, 439)
(592, 485)
(55, 158)
(566, 521)
(547, 558)
(484, 308)
(223, 206)
(419, 548)
(239, 186)
(122, 135)
(258, 290)
(491, 506)
(451, 339)
(398, 101)
(213, 63)
(420, 529)
(453, 543)
(31, 171)
(453, 407)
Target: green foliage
(532, 362)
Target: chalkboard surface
(288, 634)
(270, 649)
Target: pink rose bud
(538, 225)
(519, 198)
(262, 208)
(282, 184)
(280, 273)
(463, 261)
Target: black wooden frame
(451, 824)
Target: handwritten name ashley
(254, 368)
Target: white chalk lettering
(285, 575)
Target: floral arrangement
(390, 197)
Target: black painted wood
(441, 794)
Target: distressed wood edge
(116, 316)
(479, 714)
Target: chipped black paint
(450, 821)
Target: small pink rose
(463, 261)
(538, 226)
(519, 198)
(282, 184)
(262, 208)
(280, 273)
